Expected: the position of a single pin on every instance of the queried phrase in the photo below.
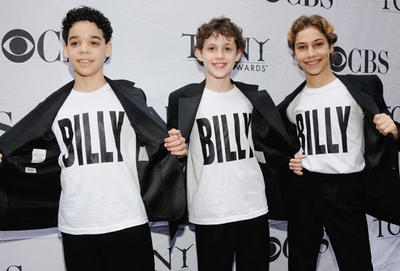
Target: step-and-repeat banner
(153, 46)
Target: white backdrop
(152, 46)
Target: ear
(108, 49)
(238, 55)
(331, 49)
(294, 56)
(65, 51)
(198, 54)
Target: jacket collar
(189, 104)
(354, 87)
(261, 101)
(356, 90)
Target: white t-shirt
(100, 187)
(225, 182)
(330, 128)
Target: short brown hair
(220, 26)
(316, 21)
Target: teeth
(219, 65)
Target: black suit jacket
(381, 182)
(29, 198)
(269, 134)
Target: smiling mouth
(313, 63)
(219, 65)
(84, 61)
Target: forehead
(219, 38)
(85, 29)
(309, 34)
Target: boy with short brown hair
(238, 147)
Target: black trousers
(246, 241)
(129, 249)
(333, 202)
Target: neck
(88, 84)
(320, 80)
(219, 85)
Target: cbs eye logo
(360, 60)
(19, 46)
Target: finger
(175, 132)
(378, 118)
(300, 156)
(298, 172)
(174, 138)
(179, 152)
(175, 145)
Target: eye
(18, 45)
(300, 47)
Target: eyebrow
(303, 42)
(93, 37)
(224, 44)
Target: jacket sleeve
(172, 111)
(377, 88)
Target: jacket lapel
(188, 105)
(361, 97)
(263, 103)
(288, 99)
(146, 122)
(160, 175)
(46, 111)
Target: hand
(175, 143)
(1, 156)
(295, 164)
(385, 125)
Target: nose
(220, 54)
(311, 51)
(84, 49)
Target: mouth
(84, 61)
(313, 63)
(219, 65)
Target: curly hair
(84, 13)
(316, 21)
(220, 26)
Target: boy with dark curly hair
(96, 148)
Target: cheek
(297, 55)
